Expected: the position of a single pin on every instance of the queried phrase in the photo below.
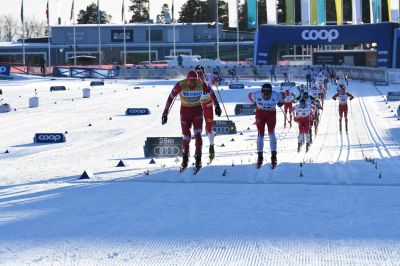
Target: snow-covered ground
(337, 209)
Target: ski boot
(198, 164)
(259, 160)
(274, 160)
(184, 163)
(307, 147)
(298, 147)
(211, 152)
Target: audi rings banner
(58, 88)
(137, 111)
(224, 127)
(380, 33)
(49, 138)
(245, 109)
(163, 147)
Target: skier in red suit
(190, 91)
(343, 95)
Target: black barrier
(245, 109)
(288, 84)
(163, 147)
(137, 111)
(58, 88)
(49, 138)
(97, 83)
(236, 86)
(393, 96)
(224, 127)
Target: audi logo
(222, 130)
(246, 111)
(166, 150)
(329, 35)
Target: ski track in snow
(328, 206)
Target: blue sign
(137, 111)
(382, 34)
(58, 88)
(49, 138)
(4, 70)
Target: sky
(37, 8)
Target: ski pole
(172, 104)
(222, 101)
(284, 115)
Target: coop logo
(191, 94)
(166, 150)
(314, 35)
(137, 111)
(49, 138)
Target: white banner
(305, 12)
(232, 13)
(357, 11)
(271, 11)
(394, 10)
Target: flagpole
(99, 30)
(237, 31)
(23, 33)
(48, 24)
(73, 17)
(217, 27)
(173, 26)
(148, 21)
(123, 17)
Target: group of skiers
(198, 99)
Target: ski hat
(199, 69)
(287, 92)
(342, 88)
(305, 95)
(266, 87)
(303, 102)
(192, 76)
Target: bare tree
(10, 27)
(34, 28)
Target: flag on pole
(271, 11)
(321, 12)
(72, 11)
(339, 12)
(305, 12)
(393, 10)
(314, 12)
(251, 14)
(375, 11)
(357, 13)
(290, 12)
(47, 13)
(232, 13)
(172, 10)
(123, 11)
(22, 11)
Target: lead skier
(343, 95)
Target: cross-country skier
(266, 101)
(343, 95)
(190, 91)
(302, 115)
(207, 103)
(290, 97)
(309, 72)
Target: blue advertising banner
(382, 34)
(4, 70)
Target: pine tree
(140, 11)
(90, 15)
(193, 11)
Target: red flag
(47, 12)
(72, 11)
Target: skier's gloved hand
(218, 110)
(164, 119)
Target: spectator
(180, 61)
